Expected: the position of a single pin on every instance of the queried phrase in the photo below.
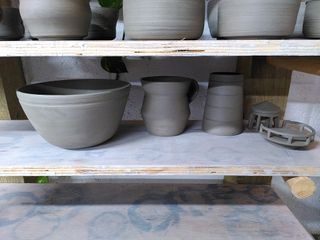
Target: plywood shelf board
(162, 48)
(134, 152)
(141, 211)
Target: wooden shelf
(134, 153)
(299, 47)
(131, 211)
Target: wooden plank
(134, 152)
(309, 65)
(137, 211)
(299, 47)
(11, 78)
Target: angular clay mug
(165, 109)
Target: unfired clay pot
(212, 15)
(311, 25)
(257, 18)
(165, 108)
(11, 26)
(224, 107)
(75, 114)
(163, 19)
(103, 22)
(56, 19)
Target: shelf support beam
(263, 82)
(11, 78)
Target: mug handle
(193, 90)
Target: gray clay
(166, 102)
(103, 22)
(163, 19)
(212, 15)
(11, 26)
(265, 113)
(257, 18)
(311, 25)
(56, 19)
(75, 114)
(224, 107)
(290, 134)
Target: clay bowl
(75, 114)
(257, 18)
(56, 19)
(103, 22)
(11, 26)
(163, 19)
(311, 25)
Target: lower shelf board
(142, 211)
(133, 152)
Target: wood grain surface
(299, 47)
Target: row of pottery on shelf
(158, 20)
(76, 114)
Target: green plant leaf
(117, 4)
(42, 180)
(114, 65)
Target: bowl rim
(22, 90)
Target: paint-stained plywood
(134, 152)
(131, 211)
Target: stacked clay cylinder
(224, 107)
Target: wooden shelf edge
(133, 152)
(163, 171)
(161, 48)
